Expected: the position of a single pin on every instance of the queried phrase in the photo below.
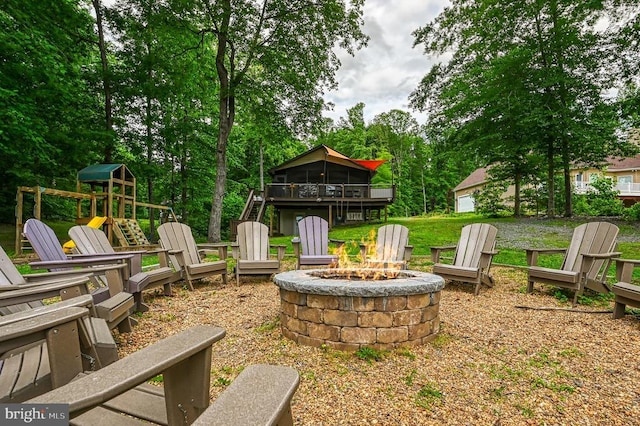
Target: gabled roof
(477, 177)
(324, 153)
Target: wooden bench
(118, 394)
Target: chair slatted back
(90, 240)
(474, 239)
(44, 241)
(253, 241)
(178, 236)
(9, 274)
(391, 242)
(314, 235)
(594, 238)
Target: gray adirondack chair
(392, 248)
(311, 247)
(626, 292)
(185, 255)
(89, 240)
(585, 264)
(46, 347)
(251, 251)
(261, 394)
(472, 257)
(108, 273)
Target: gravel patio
(493, 363)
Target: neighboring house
(325, 183)
(625, 173)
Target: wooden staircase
(129, 233)
(253, 209)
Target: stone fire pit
(347, 314)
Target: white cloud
(383, 74)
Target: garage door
(465, 204)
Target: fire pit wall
(346, 315)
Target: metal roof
(104, 172)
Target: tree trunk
(568, 202)
(516, 200)
(106, 86)
(225, 123)
(551, 187)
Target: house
(325, 183)
(625, 172)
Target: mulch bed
(493, 363)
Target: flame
(368, 268)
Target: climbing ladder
(129, 233)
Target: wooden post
(38, 201)
(19, 199)
(330, 216)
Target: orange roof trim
(370, 164)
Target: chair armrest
(88, 261)
(84, 301)
(184, 359)
(13, 295)
(55, 276)
(280, 250)
(295, 242)
(624, 269)
(260, 395)
(90, 271)
(101, 256)
(408, 251)
(221, 249)
(235, 251)
(22, 327)
(337, 242)
(436, 252)
(532, 254)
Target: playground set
(110, 190)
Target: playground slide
(96, 222)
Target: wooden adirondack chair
(88, 240)
(392, 248)
(260, 395)
(46, 347)
(24, 292)
(185, 255)
(251, 251)
(585, 264)
(626, 292)
(112, 303)
(472, 258)
(311, 248)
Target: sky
(383, 74)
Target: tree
(277, 51)
(49, 109)
(560, 61)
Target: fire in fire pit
(364, 274)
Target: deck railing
(622, 187)
(321, 190)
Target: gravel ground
(493, 363)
